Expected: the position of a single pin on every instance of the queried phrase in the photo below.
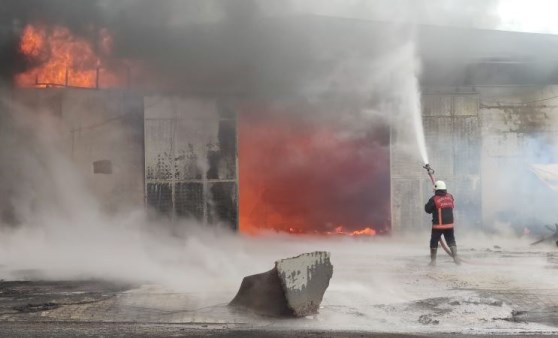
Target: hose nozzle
(429, 169)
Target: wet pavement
(376, 290)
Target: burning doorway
(303, 174)
(300, 172)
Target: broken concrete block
(305, 279)
(262, 294)
(294, 287)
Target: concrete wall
(178, 155)
(520, 128)
(103, 127)
(191, 159)
(481, 142)
(451, 127)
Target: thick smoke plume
(241, 47)
(344, 72)
(347, 67)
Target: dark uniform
(441, 207)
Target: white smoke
(60, 231)
(513, 147)
(64, 234)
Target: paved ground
(377, 289)
(56, 329)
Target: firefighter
(441, 207)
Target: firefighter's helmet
(440, 185)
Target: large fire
(59, 58)
(296, 175)
(303, 176)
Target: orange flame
(340, 230)
(364, 232)
(303, 176)
(63, 59)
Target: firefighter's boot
(456, 259)
(432, 257)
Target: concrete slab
(294, 287)
(305, 279)
(263, 294)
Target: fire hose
(442, 241)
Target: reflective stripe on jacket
(441, 207)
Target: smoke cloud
(342, 80)
(515, 146)
(348, 67)
(58, 229)
(243, 47)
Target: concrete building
(176, 156)
(191, 159)
(488, 99)
(489, 109)
(482, 142)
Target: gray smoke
(348, 72)
(244, 47)
(349, 64)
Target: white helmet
(440, 185)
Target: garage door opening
(305, 174)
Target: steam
(512, 176)
(351, 75)
(339, 61)
(349, 70)
(57, 229)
